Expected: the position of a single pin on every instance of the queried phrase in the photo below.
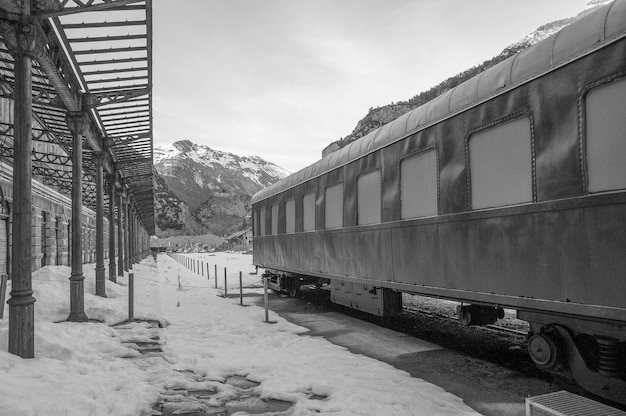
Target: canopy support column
(120, 233)
(112, 275)
(100, 271)
(76, 123)
(126, 233)
(20, 39)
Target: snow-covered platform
(333, 366)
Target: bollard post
(202, 269)
(240, 290)
(265, 299)
(225, 286)
(216, 276)
(3, 292)
(131, 296)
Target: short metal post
(3, 292)
(225, 286)
(240, 289)
(202, 269)
(131, 296)
(266, 299)
(216, 276)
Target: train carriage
(506, 191)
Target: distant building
(240, 238)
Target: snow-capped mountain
(202, 190)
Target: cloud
(282, 79)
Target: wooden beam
(88, 39)
(99, 25)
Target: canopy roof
(92, 57)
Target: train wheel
(544, 350)
(293, 287)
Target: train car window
(262, 221)
(605, 140)
(290, 216)
(274, 219)
(308, 212)
(501, 165)
(333, 204)
(368, 188)
(418, 185)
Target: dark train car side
(506, 191)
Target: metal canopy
(92, 58)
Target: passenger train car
(508, 191)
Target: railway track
(494, 328)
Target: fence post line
(131, 296)
(225, 286)
(240, 289)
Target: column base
(100, 282)
(77, 317)
(22, 323)
(112, 276)
(77, 297)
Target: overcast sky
(282, 79)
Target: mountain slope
(214, 187)
(379, 116)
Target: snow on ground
(85, 369)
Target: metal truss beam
(87, 6)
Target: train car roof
(591, 32)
